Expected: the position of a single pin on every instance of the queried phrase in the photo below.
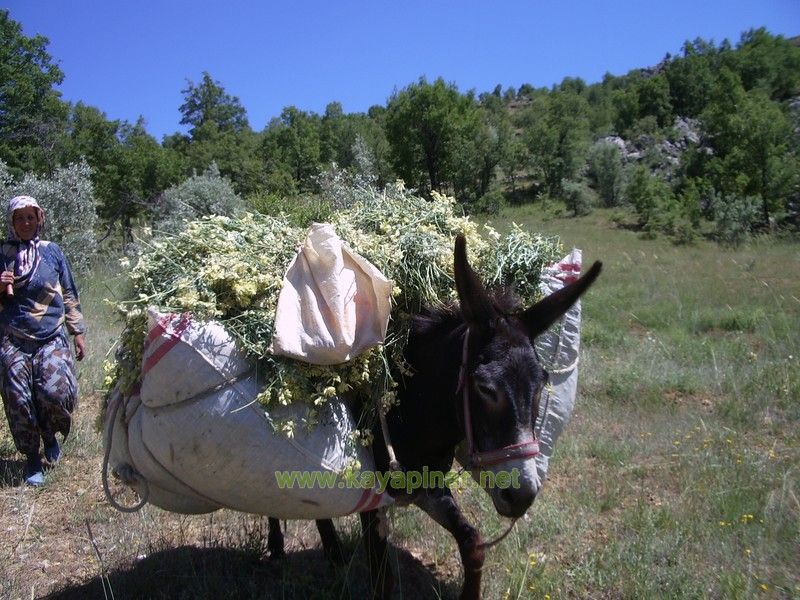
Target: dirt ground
(64, 540)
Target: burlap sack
(334, 304)
(201, 442)
(558, 348)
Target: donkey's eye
(492, 398)
(486, 391)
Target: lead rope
(552, 371)
(128, 475)
(462, 385)
(394, 464)
(500, 538)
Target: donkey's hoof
(335, 556)
(278, 554)
(52, 453)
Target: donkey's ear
(544, 313)
(476, 306)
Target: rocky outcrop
(661, 154)
(794, 113)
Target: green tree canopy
(427, 125)
(208, 102)
(755, 150)
(556, 133)
(32, 114)
(291, 145)
(691, 78)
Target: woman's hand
(80, 346)
(6, 279)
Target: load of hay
(230, 270)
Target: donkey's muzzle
(513, 503)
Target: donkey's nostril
(515, 502)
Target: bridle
(476, 458)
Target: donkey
(476, 380)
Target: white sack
(558, 348)
(334, 304)
(218, 448)
(120, 461)
(206, 357)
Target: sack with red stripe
(193, 439)
(558, 349)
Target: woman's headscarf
(27, 251)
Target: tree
(138, 172)
(32, 114)
(291, 146)
(556, 131)
(234, 153)
(753, 139)
(481, 148)
(426, 125)
(691, 78)
(769, 62)
(650, 197)
(337, 136)
(605, 169)
(90, 134)
(601, 109)
(514, 159)
(372, 130)
(654, 100)
(626, 109)
(208, 102)
(220, 134)
(67, 199)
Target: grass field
(678, 476)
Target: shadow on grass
(10, 472)
(190, 572)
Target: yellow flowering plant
(231, 270)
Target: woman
(39, 306)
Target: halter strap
(490, 457)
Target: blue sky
(131, 58)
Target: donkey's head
(501, 382)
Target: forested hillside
(704, 143)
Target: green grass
(683, 454)
(676, 478)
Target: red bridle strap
(490, 457)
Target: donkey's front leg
(442, 508)
(275, 539)
(330, 542)
(380, 571)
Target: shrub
(491, 203)
(605, 169)
(646, 194)
(198, 196)
(681, 215)
(734, 217)
(67, 198)
(341, 188)
(577, 197)
(279, 182)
